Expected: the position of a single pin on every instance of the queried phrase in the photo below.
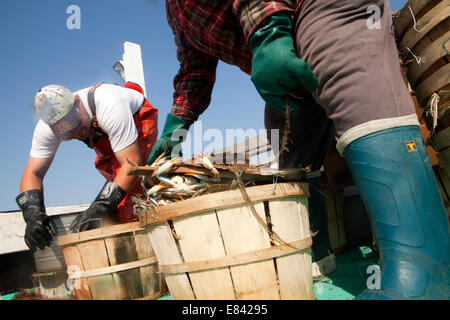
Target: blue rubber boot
(397, 185)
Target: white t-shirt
(115, 107)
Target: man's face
(81, 131)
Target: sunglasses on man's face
(66, 127)
(72, 134)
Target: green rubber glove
(166, 143)
(276, 69)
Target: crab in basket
(164, 186)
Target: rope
(414, 19)
(432, 110)
(287, 129)
(272, 234)
(417, 58)
(444, 47)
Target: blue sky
(38, 49)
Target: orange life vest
(146, 121)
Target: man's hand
(175, 130)
(103, 207)
(276, 69)
(92, 218)
(40, 230)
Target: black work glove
(40, 230)
(103, 208)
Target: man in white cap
(117, 122)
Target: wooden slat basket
(422, 29)
(50, 276)
(215, 247)
(112, 263)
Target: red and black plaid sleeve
(206, 31)
(193, 84)
(195, 79)
(252, 12)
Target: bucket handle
(417, 58)
(444, 45)
(88, 220)
(414, 19)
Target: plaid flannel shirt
(206, 31)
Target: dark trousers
(358, 73)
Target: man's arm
(112, 193)
(40, 230)
(33, 175)
(193, 83)
(196, 76)
(193, 86)
(130, 154)
(268, 27)
(251, 13)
